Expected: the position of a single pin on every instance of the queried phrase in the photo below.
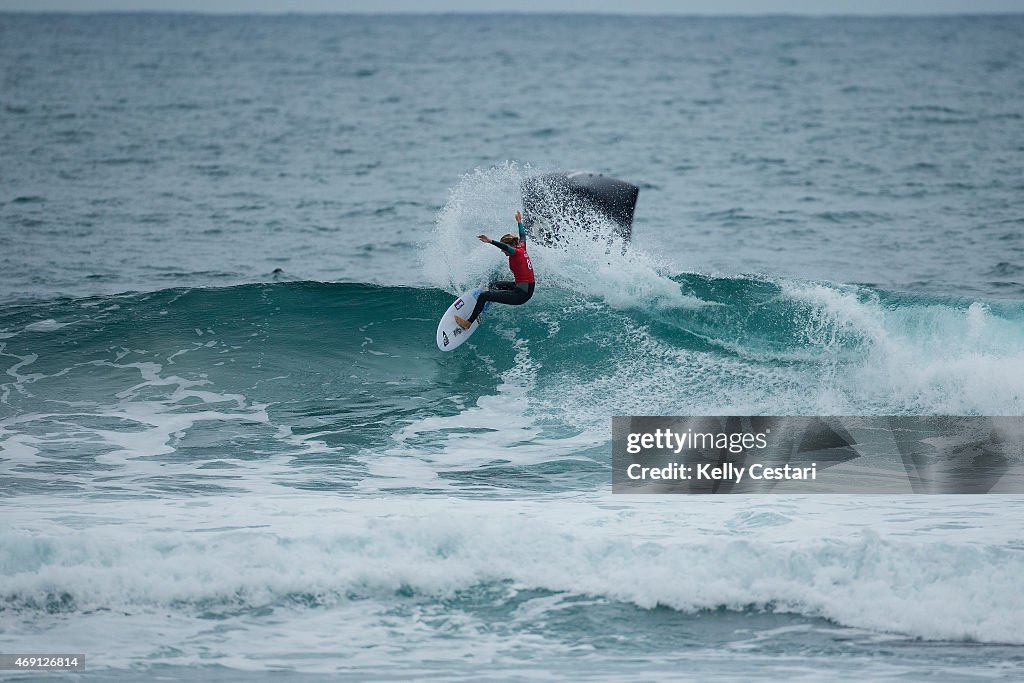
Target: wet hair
(510, 239)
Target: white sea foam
(498, 428)
(135, 432)
(918, 359)
(891, 567)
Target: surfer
(502, 291)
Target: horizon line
(506, 12)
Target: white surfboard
(449, 335)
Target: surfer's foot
(463, 323)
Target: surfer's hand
(519, 217)
(484, 238)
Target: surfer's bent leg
(519, 294)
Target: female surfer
(505, 292)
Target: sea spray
(588, 257)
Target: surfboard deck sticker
(449, 335)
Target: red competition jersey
(520, 264)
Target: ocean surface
(229, 447)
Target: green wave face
(347, 365)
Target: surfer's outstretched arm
(500, 245)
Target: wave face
(362, 355)
(342, 369)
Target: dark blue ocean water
(229, 446)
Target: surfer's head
(510, 239)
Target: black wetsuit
(503, 291)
